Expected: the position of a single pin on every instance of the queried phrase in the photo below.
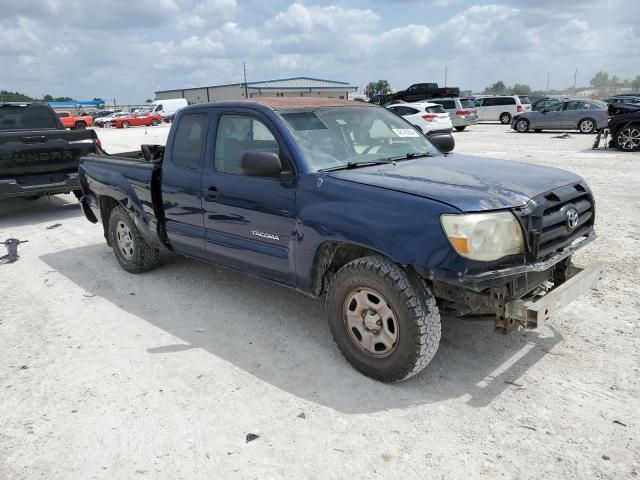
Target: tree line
(6, 96)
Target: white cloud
(127, 49)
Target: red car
(137, 119)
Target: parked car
(38, 156)
(169, 118)
(586, 116)
(168, 106)
(501, 108)
(429, 118)
(348, 202)
(106, 121)
(425, 91)
(624, 126)
(102, 113)
(623, 99)
(75, 122)
(462, 111)
(137, 119)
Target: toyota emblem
(572, 218)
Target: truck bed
(132, 179)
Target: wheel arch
(331, 255)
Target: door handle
(211, 192)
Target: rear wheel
(81, 126)
(522, 125)
(132, 252)
(505, 118)
(587, 125)
(460, 128)
(628, 138)
(125, 124)
(385, 326)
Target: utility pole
(548, 74)
(244, 69)
(445, 75)
(575, 77)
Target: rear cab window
(190, 139)
(26, 117)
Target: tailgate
(43, 151)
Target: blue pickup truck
(348, 202)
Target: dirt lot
(106, 375)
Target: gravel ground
(106, 375)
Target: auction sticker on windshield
(405, 132)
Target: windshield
(332, 137)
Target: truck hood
(468, 183)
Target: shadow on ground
(281, 337)
(18, 212)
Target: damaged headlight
(484, 236)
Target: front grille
(547, 219)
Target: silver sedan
(586, 116)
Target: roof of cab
(286, 103)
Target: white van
(169, 106)
(500, 108)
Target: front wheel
(587, 125)
(132, 252)
(505, 118)
(385, 326)
(522, 125)
(81, 126)
(154, 123)
(125, 124)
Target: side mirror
(260, 163)
(445, 143)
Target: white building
(285, 87)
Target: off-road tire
(144, 257)
(414, 306)
(583, 123)
(505, 118)
(460, 129)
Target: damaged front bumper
(535, 312)
(519, 296)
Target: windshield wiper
(363, 163)
(409, 156)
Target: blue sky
(128, 49)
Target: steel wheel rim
(371, 322)
(124, 239)
(522, 126)
(629, 138)
(587, 123)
